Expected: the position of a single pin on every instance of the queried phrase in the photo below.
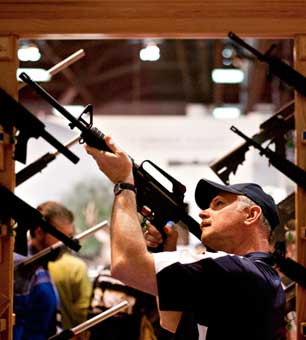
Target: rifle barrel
(70, 333)
(241, 42)
(91, 231)
(68, 144)
(39, 164)
(100, 317)
(59, 146)
(51, 100)
(59, 244)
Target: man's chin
(207, 240)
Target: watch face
(117, 189)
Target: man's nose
(204, 213)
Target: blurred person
(36, 304)
(135, 322)
(68, 272)
(233, 293)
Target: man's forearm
(130, 260)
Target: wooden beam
(300, 126)
(137, 18)
(8, 65)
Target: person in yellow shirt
(69, 274)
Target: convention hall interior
(173, 83)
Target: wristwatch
(123, 186)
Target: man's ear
(254, 213)
(39, 233)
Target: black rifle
(13, 114)
(295, 173)
(70, 333)
(286, 212)
(39, 164)
(51, 253)
(13, 207)
(154, 201)
(290, 268)
(276, 66)
(272, 129)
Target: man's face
(63, 225)
(222, 223)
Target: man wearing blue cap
(233, 293)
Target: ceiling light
(28, 52)
(150, 52)
(227, 76)
(226, 112)
(36, 74)
(227, 52)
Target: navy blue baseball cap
(206, 190)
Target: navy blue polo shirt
(222, 296)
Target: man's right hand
(154, 238)
(116, 165)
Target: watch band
(123, 186)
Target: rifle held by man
(154, 201)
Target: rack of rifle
(273, 130)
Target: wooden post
(300, 124)
(8, 67)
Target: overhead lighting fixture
(227, 76)
(150, 51)
(226, 112)
(36, 74)
(28, 52)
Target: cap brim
(206, 190)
